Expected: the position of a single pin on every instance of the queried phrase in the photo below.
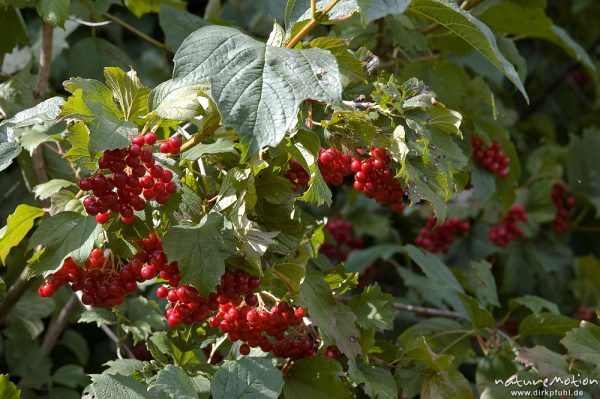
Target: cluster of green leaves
(254, 104)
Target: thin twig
(136, 31)
(58, 325)
(16, 290)
(428, 311)
(206, 132)
(310, 25)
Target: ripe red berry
(165, 147)
(150, 138)
(102, 217)
(244, 349)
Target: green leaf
(141, 318)
(450, 384)
(175, 382)
(471, 30)
(67, 234)
(18, 225)
(8, 152)
(374, 309)
(129, 92)
(305, 150)
(12, 20)
(546, 324)
(46, 111)
(484, 183)
(479, 316)
(200, 251)
(99, 316)
(379, 383)
(247, 378)
(123, 366)
(107, 133)
(483, 283)
(46, 190)
(316, 378)
(175, 102)
(583, 165)
(534, 303)
(371, 10)
(178, 24)
(360, 259)
(2, 289)
(255, 91)
(106, 386)
(433, 268)
(350, 67)
(8, 390)
(77, 344)
(335, 320)
(530, 20)
(55, 12)
(141, 7)
(584, 343)
(549, 364)
(71, 375)
(79, 153)
(89, 56)
(439, 275)
(25, 357)
(29, 312)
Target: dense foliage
(325, 199)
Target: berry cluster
(297, 175)
(439, 239)
(345, 242)
(334, 165)
(376, 179)
(508, 229)
(491, 158)
(265, 328)
(171, 146)
(564, 203)
(100, 283)
(131, 172)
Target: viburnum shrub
(239, 213)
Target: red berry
(102, 217)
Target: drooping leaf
(548, 363)
(583, 165)
(479, 316)
(317, 378)
(255, 91)
(530, 20)
(18, 225)
(471, 30)
(200, 251)
(67, 234)
(12, 21)
(334, 320)
(247, 378)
